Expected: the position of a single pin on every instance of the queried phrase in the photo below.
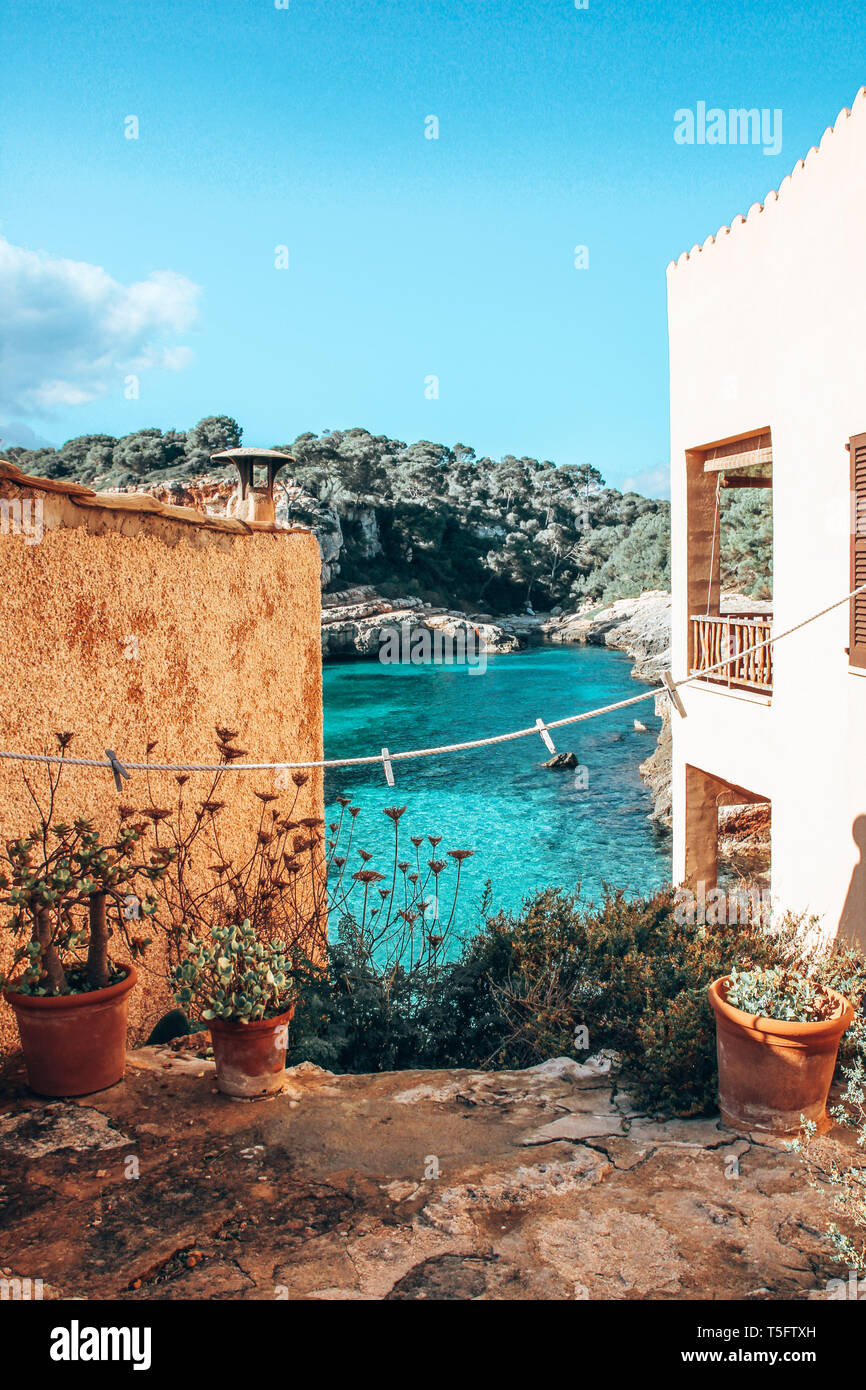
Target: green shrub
(844, 1182)
(674, 1057)
(560, 978)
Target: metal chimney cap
(232, 455)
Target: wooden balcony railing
(727, 639)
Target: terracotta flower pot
(73, 1044)
(772, 1072)
(250, 1057)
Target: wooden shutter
(857, 451)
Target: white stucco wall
(768, 328)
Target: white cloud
(69, 333)
(652, 482)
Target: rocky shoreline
(356, 621)
(640, 627)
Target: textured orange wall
(228, 633)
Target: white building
(768, 388)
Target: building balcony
(722, 647)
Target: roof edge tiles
(140, 503)
(775, 194)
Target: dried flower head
(367, 876)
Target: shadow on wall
(853, 921)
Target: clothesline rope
(377, 758)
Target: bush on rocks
(561, 978)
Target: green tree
(209, 436)
(147, 451)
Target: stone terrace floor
(549, 1186)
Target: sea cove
(529, 826)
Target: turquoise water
(530, 827)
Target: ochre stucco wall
(228, 633)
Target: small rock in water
(562, 760)
(639, 727)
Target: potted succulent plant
(66, 888)
(241, 988)
(777, 1037)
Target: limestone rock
(562, 760)
(701, 1134)
(401, 1186)
(363, 623)
(46, 1129)
(598, 1065)
(575, 1127)
(618, 1254)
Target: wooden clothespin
(386, 763)
(117, 768)
(548, 741)
(674, 693)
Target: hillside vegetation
(437, 521)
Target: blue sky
(408, 257)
